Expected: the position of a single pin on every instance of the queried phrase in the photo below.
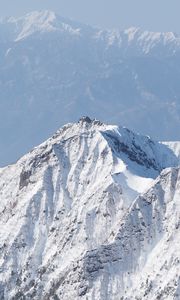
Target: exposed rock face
(92, 213)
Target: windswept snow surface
(92, 213)
(54, 70)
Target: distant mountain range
(92, 213)
(54, 70)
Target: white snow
(84, 215)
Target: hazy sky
(159, 15)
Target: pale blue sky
(159, 15)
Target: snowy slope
(142, 260)
(54, 70)
(82, 214)
(175, 147)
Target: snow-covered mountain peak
(42, 22)
(79, 206)
(116, 151)
(120, 141)
(37, 21)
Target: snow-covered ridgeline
(71, 224)
(48, 21)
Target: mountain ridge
(80, 210)
(47, 21)
(126, 77)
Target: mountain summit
(92, 213)
(44, 21)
